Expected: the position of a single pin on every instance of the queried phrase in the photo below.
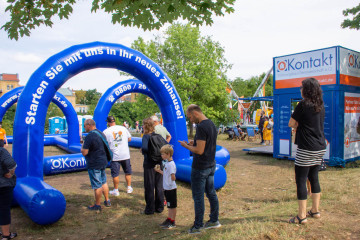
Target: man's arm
(168, 137)
(10, 174)
(84, 151)
(198, 149)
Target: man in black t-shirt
(96, 161)
(203, 168)
(261, 126)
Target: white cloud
(27, 58)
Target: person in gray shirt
(160, 129)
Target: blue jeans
(97, 177)
(202, 181)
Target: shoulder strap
(109, 153)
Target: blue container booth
(338, 71)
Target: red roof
(9, 77)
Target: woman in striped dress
(308, 120)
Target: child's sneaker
(114, 192)
(169, 225)
(164, 223)
(129, 189)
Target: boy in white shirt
(169, 184)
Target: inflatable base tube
(43, 203)
(222, 156)
(62, 143)
(64, 164)
(183, 173)
(135, 142)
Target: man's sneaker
(129, 189)
(94, 207)
(114, 192)
(107, 203)
(169, 225)
(210, 224)
(194, 230)
(164, 223)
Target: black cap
(110, 119)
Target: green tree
(26, 15)
(8, 120)
(195, 64)
(53, 111)
(92, 97)
(80, 96)
(353, 23)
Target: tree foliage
(80, 96)
(195, 64)
(145, 14)
(353, 23)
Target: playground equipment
(43, 203)
(338, 72)
(259, 95)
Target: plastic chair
(250, 133)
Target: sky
(256, 32)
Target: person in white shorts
(118, 138)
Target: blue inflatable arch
(73, 142)
(41, 202)
(115, 92)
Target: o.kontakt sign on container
(290, 70)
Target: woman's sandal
(300, 221)
(313, 215)
(11, 236)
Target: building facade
(8, 82)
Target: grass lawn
(256, 202)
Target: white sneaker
(114, 192)
(130, 189)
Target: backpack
(270, 125)
(156, 141)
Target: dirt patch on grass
(256, 202)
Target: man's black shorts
(171, 199)
(115, 167)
